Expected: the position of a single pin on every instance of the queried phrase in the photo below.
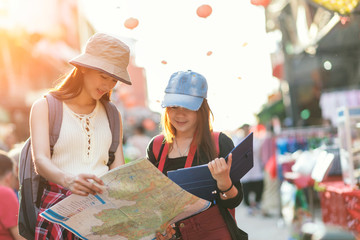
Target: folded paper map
(138, 201)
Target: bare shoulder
(39, 107)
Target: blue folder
(198, 180)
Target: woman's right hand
(84, 184)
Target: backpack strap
(55, 119)
(55, 109)
(114, 123)
(157, 143)
(161, 148)
(191, 155)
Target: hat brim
(90, 61)
(181, 100)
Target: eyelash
(106, 77)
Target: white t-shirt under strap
(84, 142)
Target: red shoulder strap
(157, 145)
(158, 141)
(163, 157)
(191, 154)
(215, 136)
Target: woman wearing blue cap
(189, 141)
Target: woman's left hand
(220, 171)
(169, 234)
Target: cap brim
(92, 62)
(180, 100)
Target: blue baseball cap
(185, 89)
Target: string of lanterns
(202, 11)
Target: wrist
(224, 184)
(223, 192)
(68, 180)
(227, 189)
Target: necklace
(186, 150)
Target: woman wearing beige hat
(81, 151)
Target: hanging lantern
(131, 23)
(209, 53)
(263, 3)
(204, 11)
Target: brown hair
(203, 137)
(71, 86)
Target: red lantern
(204, 11)
(263, 3)
(131, 23)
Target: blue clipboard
(198, 180)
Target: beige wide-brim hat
(106, 54)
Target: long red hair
(72, 85)
(203, 136)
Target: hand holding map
(138, 201)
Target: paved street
(261, 228)
(273, 228)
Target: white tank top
(84, 142)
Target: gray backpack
(32, 184)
